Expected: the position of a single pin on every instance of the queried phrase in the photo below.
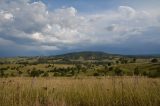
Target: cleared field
(86, 91)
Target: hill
(87, 55)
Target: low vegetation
(80, 79)
(86, 91)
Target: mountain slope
(85, 55)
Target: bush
(57, 74)
(36, 73)
(45, 74)
(96, 74)
(134, 60)
(12, 74)
(118, 72)
(72, 72)
(145, 73)
(109, 64)
(2, 73)
(136, 71)
(154, 60)
(110, 68)
(154, 73)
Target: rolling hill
(87, 55)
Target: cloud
(4, 42)
(127, 11)
(6, 16)
(32, 26)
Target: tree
(110, 68)
(106, 67)
(105, 70)
(145, 73)
(109, 64)
(78, 66)
(133, 60)
(117, 62)
(2, 73)
(154, 60)
(45, 74)
(123, 61)
(72, 72)
(118, 71)
(96, 74)
(35, 73)
(136, 71)
(19, 72)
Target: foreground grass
(109, 91)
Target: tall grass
(109, 91)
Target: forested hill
(85, 55)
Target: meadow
(81, 91)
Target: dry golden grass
(89, 91)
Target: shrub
(145, 73)
(118, 71)
(72, 72)
(35, 73)
(2, 73)
(19, 72)
(12, 74)
(110, 68)
(96, 74)
(109, 64)
(154, 73)
(45, 74)
(154, 60)
(136, 71)
(57, 74)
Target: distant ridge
(85, 55)
(90, 55)
(98, 55)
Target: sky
(50, 27)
